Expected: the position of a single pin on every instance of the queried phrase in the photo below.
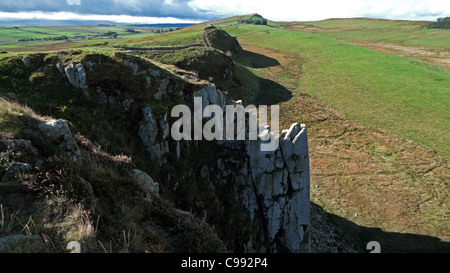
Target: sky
(194, 11)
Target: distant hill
(35, 22)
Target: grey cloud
(152, 8)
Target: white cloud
(301, 10)
(74, 16)
(145, 11)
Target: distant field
(180, 37)
(390, 92)
(43, 36)
(408, 33)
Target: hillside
(377, 126)
(412, 39)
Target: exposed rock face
(211, 95)
(221, 40)
(21, 244)
(167, 87)
(59, 132)
(147, 182)
(21, 145)
(26, 61)
(134, 67)
(13, 177)
(274, 188)
(148, 132)
(17, 172)
(14, 171)
(76, 75)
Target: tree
(441, 23)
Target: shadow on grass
(271, 93)
(390, 242)
(260, 61)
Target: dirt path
(368, 178)
(437, 57)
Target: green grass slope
(393, 93)
(408, 33)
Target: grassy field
(180, 37)
(410, 39)
(408, 33)
(393, 93)
(10, 36)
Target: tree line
(253, 22)
(441, 23)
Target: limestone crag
(272, 186)
(147, 182)
(154, 133)
(211, 95)
(59, 132)
(76, 75)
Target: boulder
(146, 181)
(21, 145)
(22, 244)
(76, 75)
(59, 132)
(14, 171)
(26, 61)
(134, 67)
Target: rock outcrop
(280, 183)
(154, 139)
(273, 187)
(59, 132)
(21, 244)
(14, 171)
(147, 183)
(76, 75)
(211, 95)
(221, 40)
(26, 61)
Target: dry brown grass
(440, 58)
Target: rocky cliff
(272, 187)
